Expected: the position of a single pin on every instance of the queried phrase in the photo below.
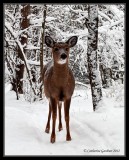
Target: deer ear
(49, 41)
(72, 41)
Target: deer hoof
(47, 130)
(60, 129)
(68, 138)
(52, 139)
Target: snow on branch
(79, 19)
(23, 54)
(82, 84)
(33, 62)
(39, 20)
(118, 13)
(77, 11)
(10, 16)
(24, 30)
(36, 21)
(86, 14)
(31, 47)
(104, 29)
(38, 44)
(116, 23)
(9, 28)
(48, 19)
(105, 16)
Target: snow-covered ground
(93, 133)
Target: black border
(125, 110)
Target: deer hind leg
(66, 111)
(54, 116)
(49, 118)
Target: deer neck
(60, 74)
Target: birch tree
(94, 75)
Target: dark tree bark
(101, 69)
(93, 70)
(106, 75)
(42, 45)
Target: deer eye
(67, 49)
(56, 49)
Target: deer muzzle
(63, 56)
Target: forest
(97, 62)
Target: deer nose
(63, 56)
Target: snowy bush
(116, 91)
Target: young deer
(59, 83)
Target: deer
(59, 84)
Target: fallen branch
(82, 84)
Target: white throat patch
(62, 61)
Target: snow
(104, 15)
(8, 87)
(50, 19)
(116, 11)
(33, 62)
(8, 27)
(36, 21)
(10, 15)
(93, 133)
(31, 47)
(40, 20)
(6, 69)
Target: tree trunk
(93, 70)
(101, 69)
(106, 75)
(42, 45)
(23, 39)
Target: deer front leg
(54, 116)
(49, 118)
(60, 122)
(66, 111)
